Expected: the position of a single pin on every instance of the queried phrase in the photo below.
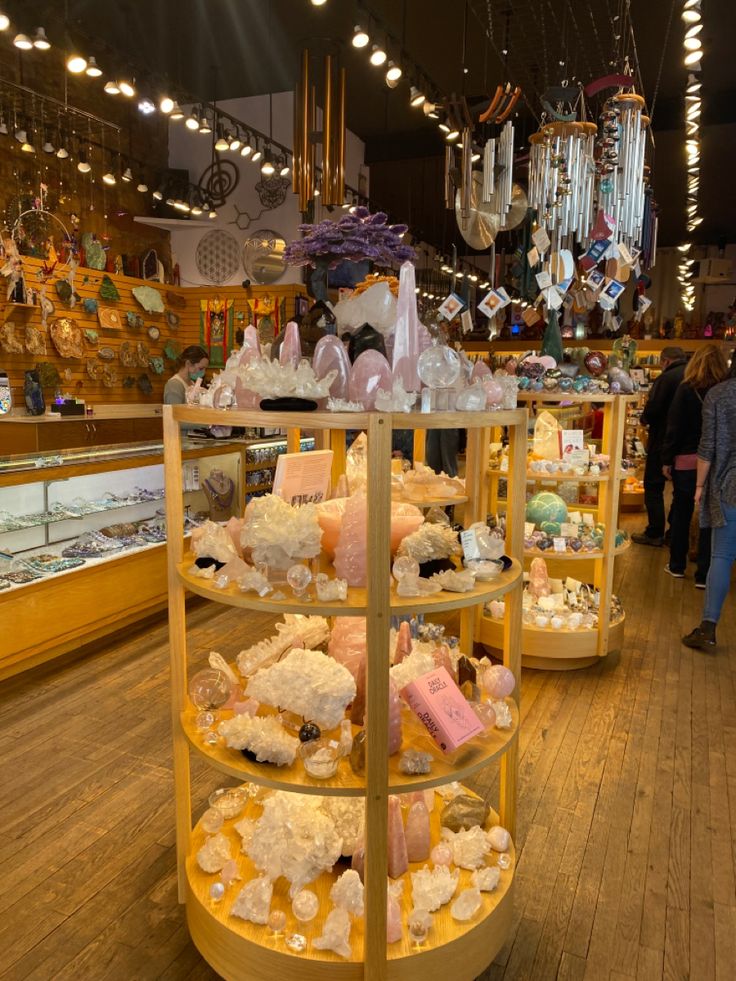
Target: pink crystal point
(480, 371)
(417, 832)
(443, 659)
(538, 579)
(329, 355)
(291, 346)
(350, 551)
(394, 719)
(407, 342)
(234, 527)
(357, 862)
(347, 642)
(250, 338)
(357, 712)
(369, 372)
(398, 860)
(403, 642)
(394, 931)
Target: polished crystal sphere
(299, 578)
(305, 905)
(209, 689)
(405, 565)
(438, 366)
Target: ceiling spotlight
(236, 142)
(111, 87)
(20, 135)
(4, 22)
(75, 63)
(246, 150)
(429, 108)
(83, 166)
(267, 166)
(93, 69)
(316, 192)
(393, 72)
(48, 146)
(256, 155)
(416, 98)
(146, 107)
(212, 213)
(166, 104)
(284, 170)
(221, 144)
(360, 37)
(318, 3)
(452, 135)
(444, 127)
(204, 126)
(694, 30)
(142, 187)
(23, 42)
(378, 55)
(692, 59)
(40, 40)
(192, 120)
(475, 157)
(158, 195)
(127, 175)
(691, 43)
(126, 88)
(27, 147)
(176, 112)
(196, 210)
(62, 153)
(691, 11)
(109, 178)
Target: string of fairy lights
(693, 59)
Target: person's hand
(698, 495)
(667, 471)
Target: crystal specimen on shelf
(466, 905)
(357, 709)
(347, 815)
(290, 351)
(499, 839)
(347, 642)
(450, 790)
(441, 854)
(394, 931)
(217, 891)
(439, 366)
(498, 681)
(471, 399)
(357, 861)
(414, 762)
(538, 578)
(294, 838)
(344, 405)
(305, 905)
(486, 713)
(229, 872)
(430, 541)
(357, 753)
(417, 832)
(299, 577)
(504, 719)
(330, 589)
(464, 811)
(320, 758)
(394, 719)
(254, 580)
(398, 861)
(229, 800)
(212, 541)
(246, 829)
(230, 572)
(276, 922)
(454, 581)
(253, 902)
(410, 337)
(405, 567)
(330, 355)
(403, 642)
(272, 380)
(217, 662)
(212, 820)
(350, 551)
(345, 742)
(504, 861)
(214, 853)
(417, 586)
(443, 659)
(347, 893)
(431, 889)
(296, 942)
(297, 630)
(369, 373)
(308, 683)
(395, 400)
(247, 707)
(279, 534)
(335, 933)
(209, 688)
(420, 923)
(469, 848)
(486, 879)
(419, 662)
(265, 737)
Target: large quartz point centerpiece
(410, 336)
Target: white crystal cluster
(432, 888)
(347, 893)
(430, 541)
(469, 848)
(417, 663)
(265, 737)
(213, 541)
(296, 630)
(279, 534)
(308, 683)
(253, 902)
(348, 816)
(335, 933)
(487, 878)
(397, 400)
(455, 582)
(214, 853)
(271, 380)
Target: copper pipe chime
(333, 137)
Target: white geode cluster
(279, 534)
(296, 630)
(253, 902)
(347, 893)
(348, 818)
(469, 848)
(294, 838)
(455, 582)
(265, 737)
(432, 888)
(486, 879)
(430, 541)
(212, 541)
(414, 665)
(271, 380)
(214, 853)
(307, 683)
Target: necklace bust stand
(219, 490)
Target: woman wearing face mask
(191, 365)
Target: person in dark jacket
(706, 368)
(654, 416)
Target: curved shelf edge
(577, 478)
(550, 554)
(357, 601)
(242, 951)
(465, 761)
(546, 648)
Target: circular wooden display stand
(243, 951)
(547, 649)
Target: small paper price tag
(466, 321)
(568, 530)
(624, 254)
(532, 256)
(588, 520)
(528, 528)
(469, 542)
(544, 280)
(575, 518)
(541, 239)
(559, 544)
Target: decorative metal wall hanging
(218, 256)
(263, 256)
(219, 181)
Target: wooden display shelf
(243, 951)
(357, 602)
(435, 502)
(446, 767)
(556, 477)
(547, 649)
(550, 554)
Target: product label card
(503, 296)
(303, 478)
(541, 239)
(575, 517)
(568, 530)
(588, 519)
(559, 544)
(571, 439)
(466, 321)
(490, 304)
(624, 254)
(469, 542)
(452, 306)
(544, 280)
(532, 256)
(529, 527)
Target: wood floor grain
(627, 806)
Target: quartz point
(347, 893)
(335, 933)
(350, 551)
(394, 719)
(253, 902)
(394, 931)
(291, 346)
(417, 832)
(357, 709)
(431, 889)
(403, 642)
(486, 879)
(214, 853)
(408, 333)
(357, 753)
(538, 579)
(398, 860)
(466, 905)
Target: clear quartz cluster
(265, 737)
(330, 589)
(432, 888)
(214, 853)
(487, 878)
(347, 893)
(397, 400)
(455, 582)
(270, 379)
(279, 534)
(213, 541)
(335, 933)
(414, 665)
(308, 683)
(430, 541)
(296, 630)
(253, 902)
(469, 848)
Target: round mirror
(263, 257)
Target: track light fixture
(92, 70)
(378, 55)
(24, 43)
(111, 87)
(76, 64)
(360, 37)
(40, 41)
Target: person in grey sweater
(715, 492)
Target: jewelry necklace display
(220, 490)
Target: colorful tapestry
(216, 329)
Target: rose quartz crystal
(291, 346)
(394, 719)
(347, 642)
(403, 642)
(538, 579)
(357, 711)
(498, 681)
(234, 527)
(329, 355)
(398, 860)
(417, 832)
(443, 659)
(393, 918)
(370, 371)
(350, 551)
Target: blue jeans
(722, 558)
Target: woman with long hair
(190, 365)
(716, 494)
(706, 368)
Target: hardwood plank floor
(627, 806)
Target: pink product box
(440, 706)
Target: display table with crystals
(571, 617)
(348, 848)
